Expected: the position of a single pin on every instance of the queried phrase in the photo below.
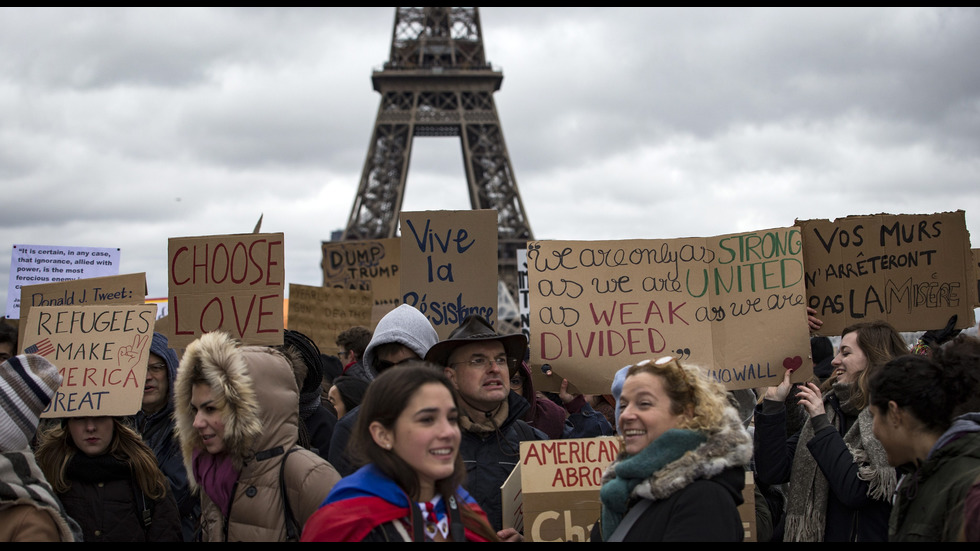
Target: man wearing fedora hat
(480, 364)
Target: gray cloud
(122, 127)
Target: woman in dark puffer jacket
(108, 481)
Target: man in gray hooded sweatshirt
(401, 335)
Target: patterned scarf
(22, 482)
(806, 506)
(625, 474)
(434, 518)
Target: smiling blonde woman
(683, 459)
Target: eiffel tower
(438, 83)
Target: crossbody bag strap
(456, 531)
(292, 527)
(624, 526)
(418, 532)
(142, 510)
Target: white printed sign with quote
(33, 264)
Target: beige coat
(28, 522)
(261, 413)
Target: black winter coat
(851, 514)
(704, 510)
(157, 431)
(104, 500)
(490, 458)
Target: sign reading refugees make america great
(914, 271)
(101, 352)
(733, 305)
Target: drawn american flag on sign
(43, 348)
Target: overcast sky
(123, 127)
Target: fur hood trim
(253, 386)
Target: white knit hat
(27, 384)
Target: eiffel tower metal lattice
(438, 83)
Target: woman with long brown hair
(409, 487)
(840, 482)
(108, 480)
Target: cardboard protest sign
(366, 265)
(38, 264)
(746, 511)
(231, 283)
(732, 304)
(116, 289)
(321, 313)
(101, 352)
(449, 265)
(522, 293)
(560, 481)
(913, 271)
(512, 501)
(976, 273)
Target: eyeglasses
(157, 367)
(483, 362)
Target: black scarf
(99, 468)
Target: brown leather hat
(476, 329)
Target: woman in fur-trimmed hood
(681, 471)
(237, 415)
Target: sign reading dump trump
(733, 305)
(914, 271)
(231, 283)
(560, 482)
(101, 353)
(369, 265)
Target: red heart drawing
(793, 363)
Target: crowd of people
(401, 436)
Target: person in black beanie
(318, 421)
